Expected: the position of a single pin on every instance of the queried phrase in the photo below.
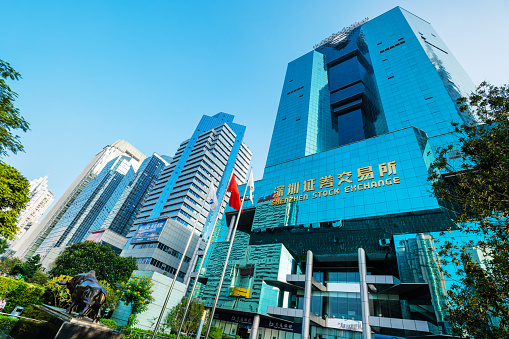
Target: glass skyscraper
(91, 171)
(173, 205)
(91, 205)
(114, 224)
(358, 121)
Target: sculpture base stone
(81, 330)
(54, 323)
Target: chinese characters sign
(368, 177)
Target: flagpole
(201, 264)
(226, 261)
(178, 270)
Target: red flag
(235, 196)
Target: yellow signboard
(239, 292)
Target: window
(295, 90)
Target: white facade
(40, 199)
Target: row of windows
(181, 221)
(166, 268)
(388, 48)
(146, 245)
(295, 90)
(187, 215)
(173, 252)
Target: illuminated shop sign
(149, 231)
(328, 186)
(345, 324)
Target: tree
(10, 118)
(14, 189)
(39, 278)
(8, 264)
(86, 256)
(3, 246)
(137, 293)
(194, 314)
(476, 188)
(28, 268)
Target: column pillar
(254, 329)
(230, 229)
(366, 329)
(307, 295)
(202, 321)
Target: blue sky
(146, 71)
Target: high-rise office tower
(92, 205)
(114, 225)
(172, 206)
(40, 199)
(94, 167)
(358, 121)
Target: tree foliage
(194, 314)
(86, 256)
(112, 295)
(3, 246)
(14, 189)
(477, 188)
(137, 293)
(39, 278)
(7, 264)
(28, 268)
(10, 118)
(60, 296)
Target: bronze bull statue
(86, 292)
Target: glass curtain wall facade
(121, 217)
(358, 121)
(91, 171)
(98, 197)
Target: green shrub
(7, 322)
(216, 332)
(108, 322)
(19, 293)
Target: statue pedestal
(85, 328)
(56, 324)
(82, 330)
